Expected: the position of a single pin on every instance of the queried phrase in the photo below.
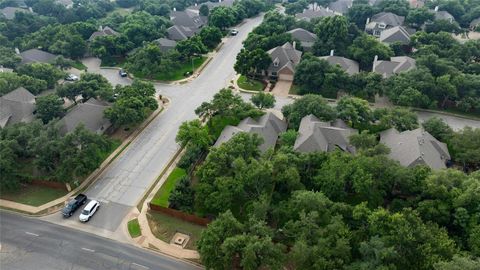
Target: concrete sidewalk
(147, 239)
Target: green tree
(49, 107)
(359, 13)
(193, 132)
(8, 57)
(263, 100)
(438, 129)
(399, 118)
(182, 196)
(288, 138)
(190, 47)
(418, 16)
(45, 72)
(10, 81)
(355, 111)
(210, 36)
(332, 34)
(458, 263)
(365, 48)
(308, 104)
(221, 17)
(141, 26)
(465, 146)
(204, 10)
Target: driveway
(93, 66)
(282, 88)
(122, 185)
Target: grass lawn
(250, 84)
(161, 198)
(33, 195)
(164, 227)
(79, 65)
(218, 123)
(177, 74)
(134, 228)
(294, 90)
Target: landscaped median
(134, 228)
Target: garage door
(286, 77)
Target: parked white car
(72, 78)
(89, 210)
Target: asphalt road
(29, 243)
(124, 182)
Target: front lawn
(250, 84)
(33, 195)
(134, 228)
(178, 73)
(164, 227)
(79, 65)
(161, 197)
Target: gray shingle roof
(415, 147)
(211, 5)
(475, 23)
(340, 6)
(9, 12)
(444, 15)
(395, 34)
(90, 114)
(178, 33)
(284, 56)
(165, 44)
(315, 135)
(187, 18)
(268, 127)
(350, 66)
(309, 14)
(394, 66)
(305, 37)
(388, 18)
(37, 56)
(104, 31)
(17, 106)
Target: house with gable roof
(17, 106)
(309, 14)
(350, 66)
(284, 60)
(90, 114)
(103, 31)
(382, 21)
(306, 38)
(394, 66)
(415, 147)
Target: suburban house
(396, 34)
(3, 69)
(415, 147)
(315, 135)
(394, 66)
(340, 6)
(185, 24)
(267, 127)
(474, 24)
(103, 31)
(443, 15)
(90, 114)
(9, 12)
(284, 60)
(306, 38)
(309, 14)
(348, 65)
(36, 56)
(165, 44)
(17, 107)
(382, 21)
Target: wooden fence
(179, 214)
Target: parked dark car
(73, 205)
(122, 73)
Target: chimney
(100, 28)
(331, 52)
(294, 45)
(196, 4)
(17, 51)
(368, 21)
(375, 59)
(174, 9)
(436, 8)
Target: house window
(382, 25)
(274, 73)
(275, 64)
(376, 33)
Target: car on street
(233, 32)
(122, 73)
(71, 78)
(73, 205)
(89, 211)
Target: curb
(447, 113)
(91, 179)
